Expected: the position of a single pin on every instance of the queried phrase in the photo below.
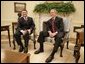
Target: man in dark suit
(55, 28)
(25, 27)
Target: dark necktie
(53, 25)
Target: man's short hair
(54, 10)
(24, 10)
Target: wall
(8, 15)
(77, 18)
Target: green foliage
(63, 8)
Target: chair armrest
(77, 27)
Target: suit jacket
(25, 24)
(58, 24)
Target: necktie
(53, 25)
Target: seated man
(55, 28)
(25, 27)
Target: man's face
(24, 13)
(53, 13)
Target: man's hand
(52, 34)
(23, 31)
(29, 30)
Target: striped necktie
(53, 25)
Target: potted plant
(62, 8)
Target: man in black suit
(25, 27)
(55, 28)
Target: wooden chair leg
(34, 44)
(77, 57)
(67, 44)
(14, 45)
(76, 53)
(34, 39)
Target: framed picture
(18, 7)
